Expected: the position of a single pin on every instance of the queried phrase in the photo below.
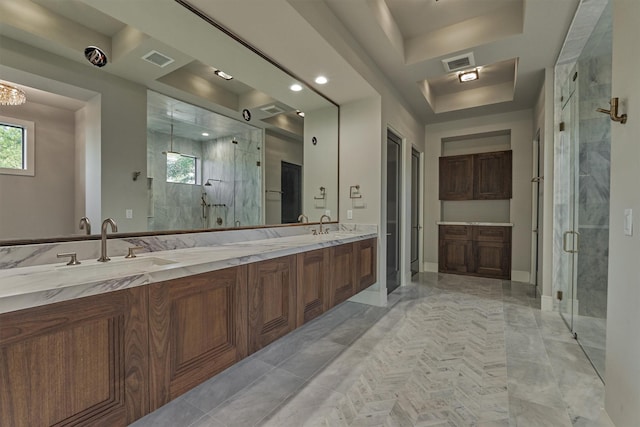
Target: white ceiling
(402, 42)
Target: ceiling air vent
(459, 62)
(158, 58)
(272, 109)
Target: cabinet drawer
(455, 232)
(492, 234)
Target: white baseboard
(377, 297)
(520, 276)
(430, 267)
(546, 303)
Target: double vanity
(106, 343)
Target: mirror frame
(253, 49)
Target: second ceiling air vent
(157, 58)
(459, 62)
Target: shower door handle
(564, 242)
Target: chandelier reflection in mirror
(10, 95)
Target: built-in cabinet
(109, 359)
(272, 300)
(76, 363)
(482, 176)
(197, 328)
(475, 250)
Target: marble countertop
(27, 287)
(494, 224)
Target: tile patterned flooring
(446, 351)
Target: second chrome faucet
(103, 237)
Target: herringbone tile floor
(447, 351)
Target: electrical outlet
(129, 213)
(327, 212)
(349, 214)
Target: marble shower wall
(582, 155)
(235, 193)
(594, 81)
(235, 170)
(172, 206)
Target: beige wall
(123, 117)
(622, 399)
(277, 149)
(41, 205)
(320, 168)
(520, 124)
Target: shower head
(208, 184)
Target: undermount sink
(115, 268)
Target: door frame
(420, 202)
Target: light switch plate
(129, 213)
(349, 214)
(628, 222)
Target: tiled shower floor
(446, 351)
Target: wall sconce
(613, 112)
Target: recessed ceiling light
(321, 80)
(468, 76)
(205, 134)
(300, 113)
(223, 75)
(295, 87)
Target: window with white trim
(181, 168)
(17, 146)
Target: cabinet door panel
(343, 274)
(272, 300)
(455, 232)
(492, 234)
(492, 175)
(493, 259)
(455, 256)
(313, 285)
(367, 258)
(198, 327)
(456, 177)
(70, 363)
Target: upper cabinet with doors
(482, 176)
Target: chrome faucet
(103, 237)
(321, 218)
(85, 224)
(303, 218)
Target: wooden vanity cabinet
(455, 249)
(313, 273)
(343, 273)
(481, 176)
(366, 263)
(197, 328)
(78, 362)
(272, 300)
(475, 250)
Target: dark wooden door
(366, 263)
(492, 175)
(291, 185)
(313, 285)
(79, 362)
(456, 177)
(343, 277)
(272, 300)
(198, 327)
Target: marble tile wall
(172, 206)
(582, 153)
(235, 193)
(594, 80)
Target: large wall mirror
(159, 139)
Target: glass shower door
(565, 201)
